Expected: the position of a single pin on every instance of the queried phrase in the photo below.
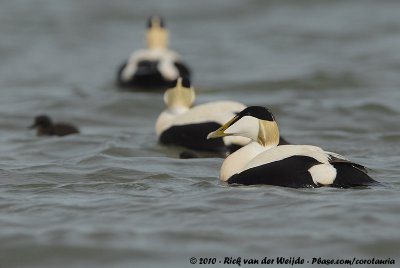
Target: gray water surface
(113, 197)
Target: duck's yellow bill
(220, 132)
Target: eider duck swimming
(187, 126)
(45, 127)
(264, 161)
(156, 66)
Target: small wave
(377, 108)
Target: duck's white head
(181, 96)
(157, 34)
(254, 122)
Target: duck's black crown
(259, 112)
(185, 83)
(150, 21)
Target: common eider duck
(263, 161)
(187, 126)
(156, 66)
(45, 127)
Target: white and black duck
(156, 66)
(187, 126)
(264, 161)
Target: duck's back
(63, 129)
(191, 128)
(152, 68)
(297, 166)
(218, 112)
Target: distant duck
(263, 161)
(45, 127)
(187, 126)
(156, 66)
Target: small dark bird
(45, 127)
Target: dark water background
(113, 197)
